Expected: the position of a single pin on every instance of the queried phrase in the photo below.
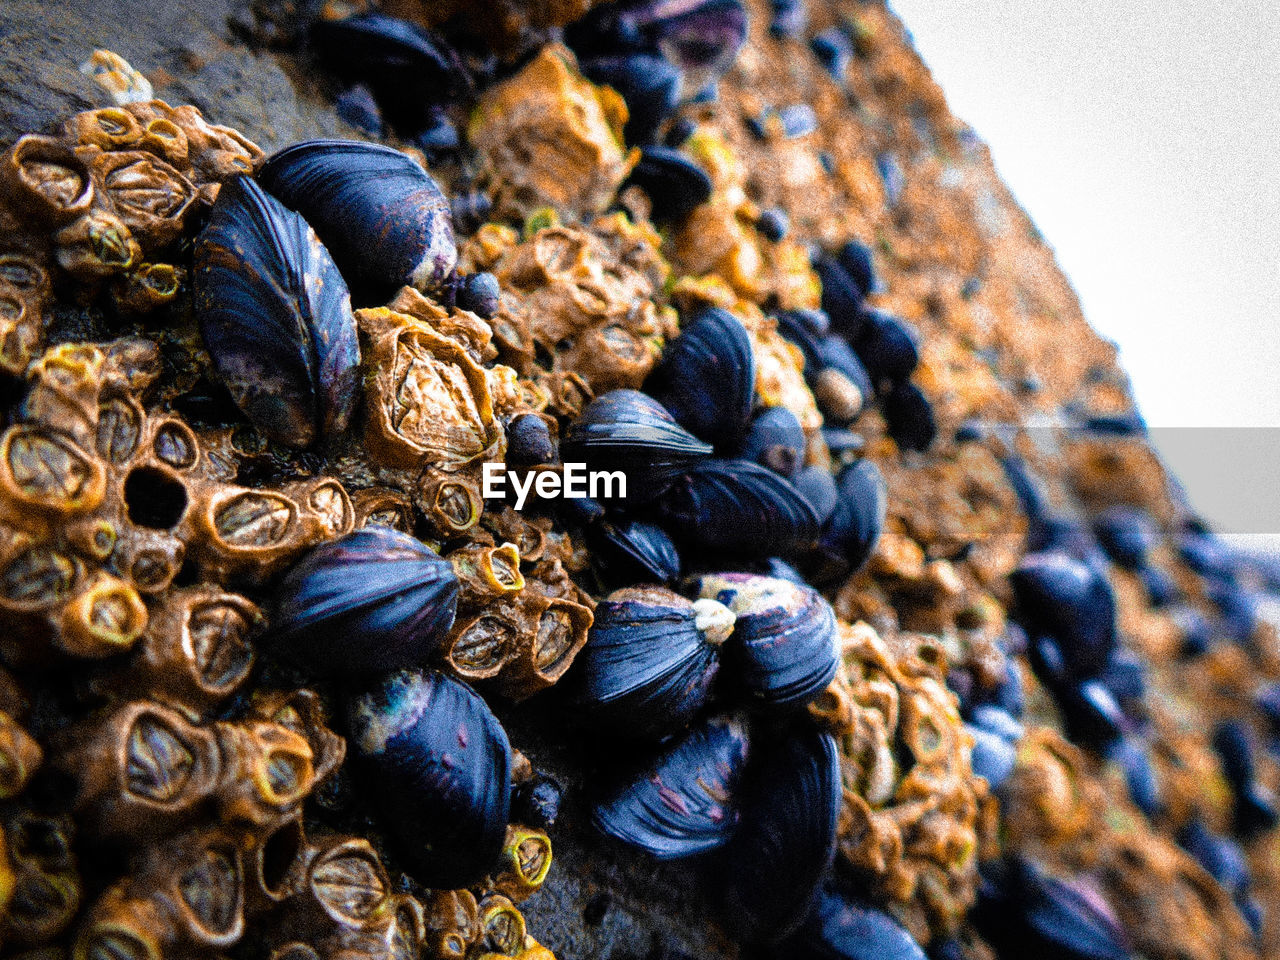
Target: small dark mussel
(1234, 746)
(770, 872)
(1197, 632)
(775, 440)
(649, 662)
(1126, 534)
(649, 85)
(853, 529)
(773, 224)
(685, 803)
(888, 347)
(908, 414)
(840, 383)
(1063, 598)
(630, 431)
(1116, 424)
(993, 757)
(1162, 589)
(834, 51)
(1222, 857)
(858, 260)
(382, 216)
(632, 552)
(783, 651)
(1208, 556)
(674, 183)
(438, 768)
(275, 316)
(1030, 492)
(1022, 912)
(707, 378)
(738, 509)
(407, 67)
(841, 297)
(789, 18)
(818, 486)
(536, 802)
(373, 600)
(529, 441)
(1133, 758)
(1091, 716)
(844, 928)
(702, 38)
(357, 108)
(892, 177)
(1237, 610)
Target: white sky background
(1143, 138)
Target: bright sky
(1143, 137)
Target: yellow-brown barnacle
(399, 934)
(834, 707)
(91, 537)
(302, 712)
(198, 882)
(550, 138)
(45, 886)
(65, 384)
(24, 293)
(20, 756)
(452, 924)
(105, 617)
(226, 153)
(149, 559)
(47, 181)
(267, 772)
(142, 770)
(149, 286)
(451, 502)
(133, 364)
(610, 357)
(479, 647)
(166, 139)
(502, 926)
(429, 401)
(559, 631)
(346, 884)
(529, 535)
(568, 392)
(111, 128)
(533, 950)
(119, 429)
(245, 533)
(149, 195)
(96, 245)
(125, 927)
(526, 860)
(383, 506)
(45, 471)
(486, 573)
(197, 649)
(325, 503)
(114, 74)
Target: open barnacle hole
(46, 472)
(275, 866)
(154, 498)
(48, 179)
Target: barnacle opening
(154, 499)
(279, 852)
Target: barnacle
(913, 815)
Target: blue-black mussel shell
(437, 766)
(407, 67)
(382, 216)
(775, 440)
(1126, 534)
(1024, 913)
(889, 347)
(674, 183)
(738, 509)
(841, 297)
(275, 316)
(685, 803)
(908, 414)
(648, 83)
(859, 262)
(649, 662)
(783, 649)
(630, 431)
(851, 532)
(373, 600)
(707, 378)
(1070, 601)
(631, 552)
(770, 872)
(844, 928)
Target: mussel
(1126, 534)
(438, 768)
(853, 529)
(783, 647)
(674, 183)
(786, 842)
(908, 414)
(841, 296)
(775, 440)
(275, 316)
(649, 662)
(382, 216)
(649, 84)
(373, 600)
(707, 378)
(407, 67)
(632, 552)
(630, 431)
(740, 509)
(889, 347)
(843, 928)
(1069, 601)
(686, 802)
(859, 262)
